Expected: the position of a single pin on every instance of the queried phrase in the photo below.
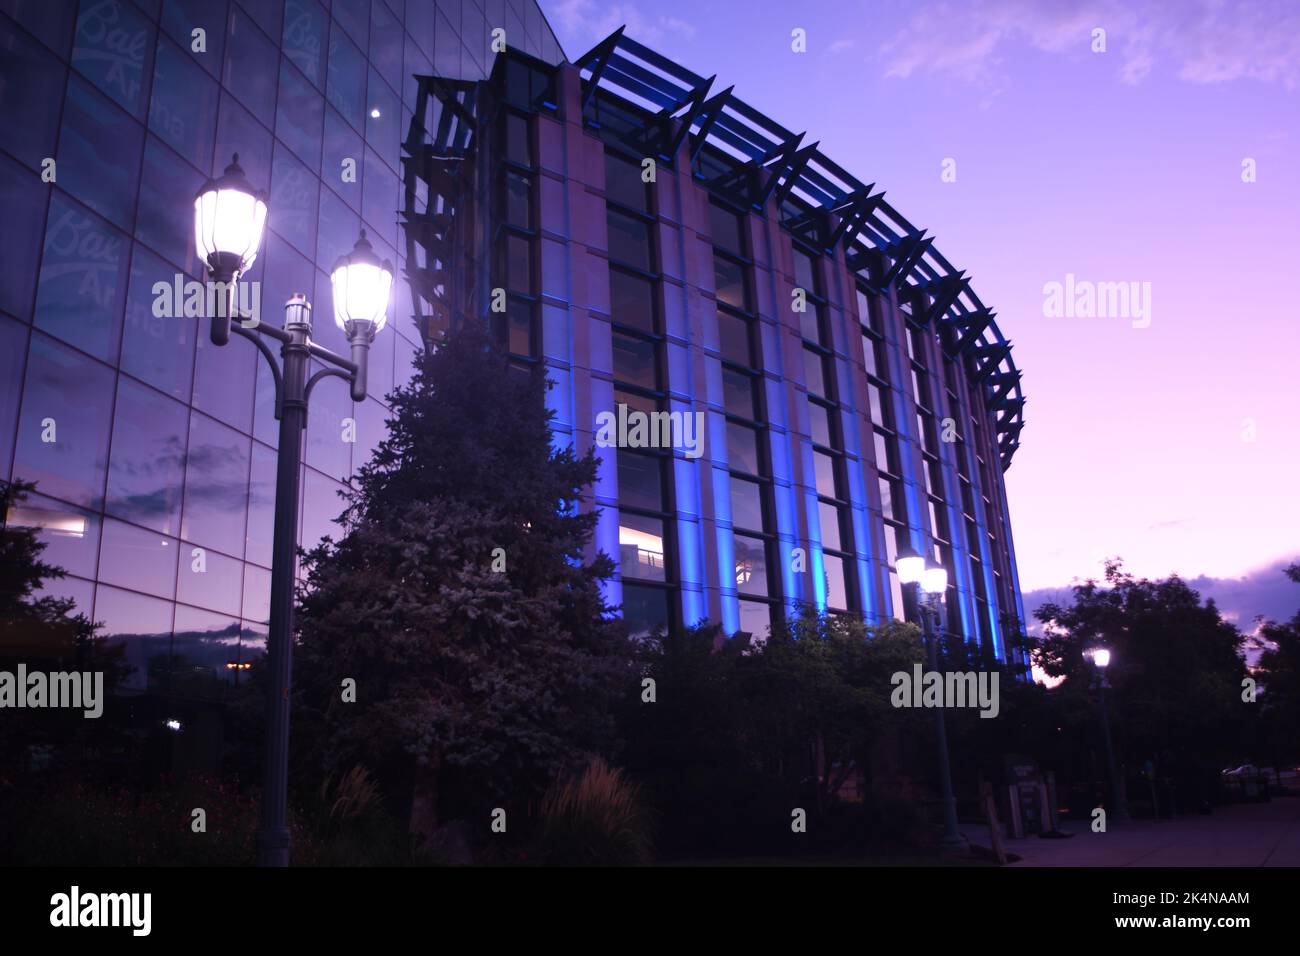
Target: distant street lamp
(931, 583)
(1101, 660)
(229, 217)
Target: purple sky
(1175, 445)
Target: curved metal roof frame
(651, 82)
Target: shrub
(595, 818)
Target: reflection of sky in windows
(140, 122)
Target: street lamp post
(1101, 660)
(931, 584)
(228, 220)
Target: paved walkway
(1246, 834)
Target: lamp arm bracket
(265, 349)
(325, 355)
(325, 373)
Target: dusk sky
(1175, 445)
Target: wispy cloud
(591, 21)
(1201, 41)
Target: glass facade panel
(641, 547)
(147, 463)
(63, 432)
(83, 280)
(751, 565)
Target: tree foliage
(459, 597)
(1176, 667)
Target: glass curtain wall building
(685, 253)
(659, 245)
(152, 450)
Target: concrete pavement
(1245, 834)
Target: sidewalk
(1247, 834)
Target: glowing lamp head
(910, 566)
(362, 284)
(934, 581)
(1101, 657)
(229, 216)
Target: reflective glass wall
(152, 450)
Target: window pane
(518, 145)
(99, 153)
(111, 46)
(631, 300)
(746, 504)
(640, 480)
(519, 263)
(217, 583)
(825, 471)
(726, 228)
(345, 78)
(891, 504)
(814, 373)
(738, 394)
(157, 223)
(644, 609)
(829, 516)
(810, 326)
(326, 447)
(629, 240)
(23, 199)
(33, 79)
(884, 453)
(294, 199)
(733, 339)
(70, 535)
(635, 401)
(143, 625)
(729, 280)
(836, 584)
(341, 143)
(183, 108)
(804, 272)
(180, 17)
(204, 643)
(83, 280)
(742, 448)
(819, 417)
(896, 595)
(756, 619)
(623, 183)
(634, 361)
(67, 399)
(261, 506)
(216, 486)
(251, 67)
(515, 327)
(876, 399)
(148, 458)
(518, 200)
(303, 39)
(141, 560)
(870, 357)
(751, 565)
(300, 112)
(641, 547)
(224, 381)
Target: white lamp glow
(1101, 657)
(229, 216)
(934, 581)
(911, 567)
(361, 288)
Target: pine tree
(461, 597)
